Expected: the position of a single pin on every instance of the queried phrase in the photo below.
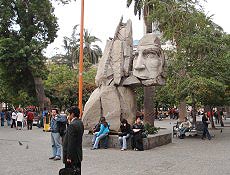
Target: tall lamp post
(80, 105)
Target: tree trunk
(193, 112)
(227, 109)
(40, 92)
(182, 110)
(149, 93)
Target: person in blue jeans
(55, 135)
(205, 129)
(124, 134)
(104, 132)
(2, 118)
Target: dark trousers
(29, 124)
(13, 124)
(76, 166)
(137, 142)
(2, 121)
(206, 132)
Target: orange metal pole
(80, 105)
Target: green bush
(151, 129)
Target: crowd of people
(18, 118)
(135, 133)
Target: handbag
(144, 134)
(69, 171)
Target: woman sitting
(137, 139)
(104, 131)
(125, 129)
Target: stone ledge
(162, 138)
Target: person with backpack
(62, 125)
(55, 135)
(103, 132)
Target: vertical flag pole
(80, 105)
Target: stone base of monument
(162, 138)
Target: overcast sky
(102, 17)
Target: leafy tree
(202, 48)
(62, 84)
(26, 28)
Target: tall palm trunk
(149, 92)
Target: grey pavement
(182, 157)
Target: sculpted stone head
(149, 61)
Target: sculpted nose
(139, 63)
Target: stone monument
(119, 71)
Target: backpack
(61, 127)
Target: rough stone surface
(131, 81)
(162, 138)
(115, 77)
(117, 101)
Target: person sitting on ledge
(184, 127)
(104, 132)
(137, 139)
(124, 134)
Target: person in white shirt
(14, 117)
(184, 127)
(20, 119)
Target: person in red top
(30, 118)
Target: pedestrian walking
(8, 117)
(30, 118)
(2, 118)
(20, 119)
(14, 117)
(205, 127)
(72, 147)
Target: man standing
(72, 147)
(55, 135)
(205, 125)
(2, 118)
(14, 117)
(30, 118)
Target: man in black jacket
(72, 146)
(205, 129)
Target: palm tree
(91, 51)
(71, 45)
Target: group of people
(101, 132)
(17, 118)
(186, 125)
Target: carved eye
(151, 54)
(136, 54)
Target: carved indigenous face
(149, 61)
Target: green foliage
(62, 84)
(198, 69)
(151, 129)
(26, 28)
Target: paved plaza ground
(182, 157)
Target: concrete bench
(162, 138)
